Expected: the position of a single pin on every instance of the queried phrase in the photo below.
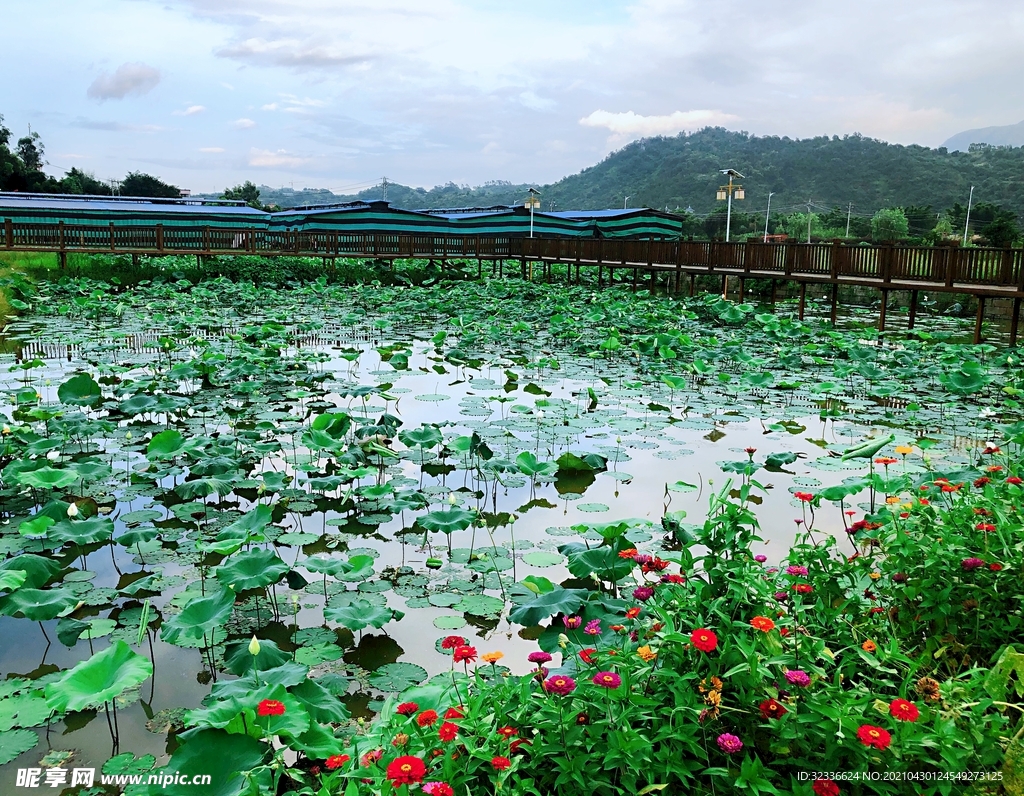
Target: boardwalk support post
(1014, 321)
(912, 317)
(882, 310)
(978, 320)
(834, 309)
(803, 299)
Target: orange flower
(646, 653)
(492, 657)
(629, 553)
(762, 623)
(633, 613)
(869, 646)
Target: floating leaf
(99, 679)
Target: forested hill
(683, 171)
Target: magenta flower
(729, 743)
(781, 596)
(793, 570)
(760, 559)
(643, 593)
(642, 559)
(969, 564)
(560, 685)
(571, 622)
(593, 627)
(798, 677)
(771, 570)
(607, 680)
(538, 657)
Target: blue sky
(337, 93)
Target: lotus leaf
(105, 675)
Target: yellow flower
(875, 575)
(492, 657)
(646, 653)
(903, 450)
(713, 698)
(892, 500)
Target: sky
(340, 93)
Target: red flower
(874, 736)
(704, 640)
(464, 653)
(500, 763)
(513, 747)
(427, 718)
(407, 708)
(336, 761)
(371, 757)
(585, 655)
(507, 732)
(406, 770)
(438, 789)
(903, 710)
(673, 578)
(805, 497)
(451, 642)
(454, 713)
(996, 567)
(447, 731)
(633, 613)
(803, 588)
(762, 623)
(825, 787)
(270, 707)
(770, 709)
(1015, 480)
(628, 553)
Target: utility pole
(766, 214)
(384, 189)
(849, 212)
(968, 221)
(808, 220)
(533, 203)
(726, 192)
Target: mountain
(1006, 135)
(450, 195)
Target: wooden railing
(971, 270)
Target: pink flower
(760, 559)
(643, 593)
(607, 680)
(969, 564)
(538, 657)
(571, 622)
(560, 685)
(729, 743)
(593, 627)
(794, 570)
(798, 677)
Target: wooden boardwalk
(984, 273)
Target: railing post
(111, 236)
(159, 237)
(952, 265)
(1006, 269)
(206, 238)
(60, 235)
(9, 233)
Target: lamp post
(533, 203)
(766, 214)
(624, 201)
(968, 221)
(726, 192)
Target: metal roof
(121, 204)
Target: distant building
(183, 192)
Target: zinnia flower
(454, 713)
(336, 761)
(593, 627)
(825, 787)
(996, 567)
(874, 736)
(438, 789)
(795, 570)
(500, 763)
(805, 497)
(760, 559)
(464, 653)
(407, 708)
(762, 623)
(629, 552)
(607, 680)
(492, 657)
(903, 710)
(560, 684)
(507, 732)
(647, 655)
(803, 588)
(704, 640)
(572, 622)
(447, 731)
(371, 757)
(969, 564)
(586, 655)
(673, 578)
(798, 677)
(633, 613)
(270, 707)
(538, 657)
(770, 709)
(427, 718)
(451, 642)
(643, 593)
(406, 770)
(869, 646)
(729, 743)
(1015, 480)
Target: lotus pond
(350, 474)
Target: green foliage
(106, 675)
(889, 224)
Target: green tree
(30, 152)
(247, 192)
(77, 181)
(1001, 230)
(889, 223)
(920, 219)
(139, 184)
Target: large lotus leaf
(247, 528)
(39, 605)
(140, 535)
(105, 675)
(964, 383)
(14, 743)
(447, 520)
(219, 485)
(199, 617)
(166, 445)
(321, 704)
(224, 757)
(253, 569)
(603, 561)
(89, 531)
(550, 603)
(36, 527)
(422, 437)
(333, 424)
(360, 567)
(239, 660)
(580, 463)
(38, 569)
(12, 579)
(23, 710)
(397, 676)
(79, 390)
(317, 743)
(362, 613)
(530, 465)
(48, 478)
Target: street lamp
(968, 221)
(624, 202)
(533, 203)
(726, 192)
(766, 214)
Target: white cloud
(533, 102)
(292, 104)
(191, 110)
(631, 124)
(294, 53)
(128, 80)
(266, 158)
(243, 124)
(211, 149)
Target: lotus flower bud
(72, 510)
(452, 499)
(128, 435)
(53, 455)
(563, 640)
(6, 429)
(254, 646)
